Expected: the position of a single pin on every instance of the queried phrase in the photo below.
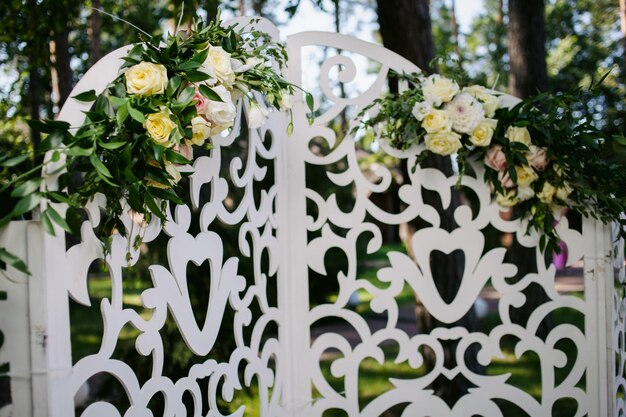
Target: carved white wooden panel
(331, 225)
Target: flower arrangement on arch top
(539, 156)
(171, 96)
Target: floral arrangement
(540, 158)
(171, 97)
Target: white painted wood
(283, 243)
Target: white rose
(465, 112)
(525, 175)
(537, 157)
(518, 134)
(438, 89)
(525, 193)
(201, 130)
(436, 121)
(239, 67)
(421, 109)
(257, 115)
(507, 200)
(547, 193)
(285, 101)
(489, 101)
(146, 79)
(221, 113)
(443, 143)
(218, 66)
(483, 133)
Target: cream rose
(562, 193)
(518, 134)
(547, 193)
(146, 79)
(525, 175)
(495, 158)
(536, 157)
(438, 89)
(443, 143)
(221, 113)
(218, 66)
(507, 200)
(436, 121)
(257, 115)
(483, 133)
(252, 62)
(159, 126)
(201, 130)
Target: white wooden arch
(286, 367)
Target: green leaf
(153, 206)
(158, 152)
(176, 158)
(186, 96)
(58, 197)
(111, 145)
(78, 151)
(200, 57)
(136, 114)
(118, 101)
(99, 166)
(56, 217)
(172, 85)
(189, 66)
(27, 188)
(197, 76)
(87, 96)
(10, 259)
(47, 223)
(309, 101)
(209, 93)
(52, 141)
(166, 194)
(26, 204)
(122, 114)
(16, 160)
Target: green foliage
(114, 151)
(583, 169)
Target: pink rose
(201, 103)
(495, 158)
(537, 158)
(505, 179)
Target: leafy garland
(540, 157)
(171, 96)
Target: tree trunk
(454, 28)
(406, 29)
(622, 18)
(527, 76)
(526, 34)
(60, 58)
(94, 32)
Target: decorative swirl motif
(336, 227)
